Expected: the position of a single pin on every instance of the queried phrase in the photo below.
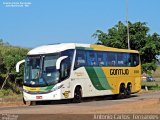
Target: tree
(147, 44)
(9, 56)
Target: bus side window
(120, 59)
(105, 56)
(100, 59)
(65, 69)
(135, 59)
(80, 59)
(129, 60)
(126, 58)
(91, 58)
(111, 59)
(68, 53)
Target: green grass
(8, 94)
(156, 74)
(151, 85)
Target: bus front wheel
(24, 102)
(77, 95)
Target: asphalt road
(89, 105)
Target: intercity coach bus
(73, 71)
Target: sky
(39, 22)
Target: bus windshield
(41, 70)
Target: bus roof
(53, 48)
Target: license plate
(38, 97)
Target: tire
(77, 95)
(122, 92)
(129, 90)
(24, 102)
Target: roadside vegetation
(10, 81)
(156, 74)
(151, 85)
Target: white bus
(73, 71)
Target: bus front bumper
(56, 95)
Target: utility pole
(127, 24)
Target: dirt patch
(11, 102)
(141, 106)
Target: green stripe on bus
(46, 88)
(102, 78)
(49, 87)
(98, 78)
(94, 78)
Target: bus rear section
(108, 71)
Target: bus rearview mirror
(18, 64)
(59, 60)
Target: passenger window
(100, 59)
(135, 59)
(91, 58)
(120, 59)
(105, 56)
(111, 59)
(80, 59)
(68, 53)
(127, 61)
(65, 69)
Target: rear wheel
(122, 92)
(129, 90)
(77, 95)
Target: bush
(7, 92)
(9, 56)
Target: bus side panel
(118, 75)
(92, 80)
(136, 75)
